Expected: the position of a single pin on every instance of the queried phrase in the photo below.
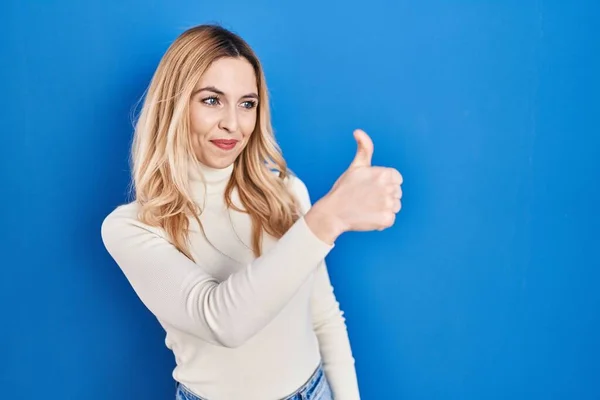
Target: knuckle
(397, 206)
(397, 176)
(395, 191)
(391, 219)
(389, 203)
(388, 219)
(391, 175)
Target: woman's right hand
(364, 198)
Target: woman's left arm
(329, 323)
(334, 343)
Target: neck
(216, 179)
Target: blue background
(486, 287)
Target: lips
(225, 144)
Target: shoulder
(298, 188)
(122, 225)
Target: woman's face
(223, 111)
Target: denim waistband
(305, 392)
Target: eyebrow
(217, 91)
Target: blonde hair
(162, 151)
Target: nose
(229, 120)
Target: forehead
(231, 75)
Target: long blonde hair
(162, 151)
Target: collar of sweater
(216, 179)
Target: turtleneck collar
(216, 178)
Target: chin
(224, 164)
(218, 160)
(221, 163)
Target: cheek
(248, 124)
(201, 120)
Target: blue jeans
(316, 388)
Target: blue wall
(487, 286)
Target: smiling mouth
(224, 144)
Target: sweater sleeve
(330, 327)
(180, 293)
(334, 343)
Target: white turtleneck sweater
(240, 327)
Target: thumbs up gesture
(364, 197)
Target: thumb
(364, 151)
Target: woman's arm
(334, 343)
(231, 312)
(181, 294)
(329, 326)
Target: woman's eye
(249, 104)
(211, 101)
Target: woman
(222, 244)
